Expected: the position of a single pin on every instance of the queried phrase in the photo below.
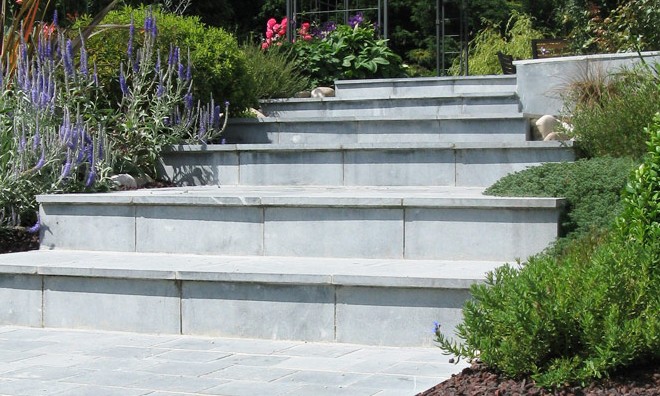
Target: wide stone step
(423, 87)
(388, 129)
(361, 164)
(504, 103)
(415, 223)
(377, 302)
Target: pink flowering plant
(275, 32)
(330, 52)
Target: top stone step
(423, 87)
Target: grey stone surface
(21, 299)
(503, 234)
(362, 311)
(258, 311)
(455, 104)
(333, 232)
(381, 164)
(291, 168)
(127, 305)
(211, 169)
(343, 130)
(199, 229)
(423, 86)
(341, 372)
(77, 227)
(542, 81)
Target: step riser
(444, 233)
(387, 108)
(330, 313)
(368, 167)
(424, 87)
(285, 131)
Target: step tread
(482, 116)
(370, 146)
(395, 98)
(260, 269)
(415, 80)
(335, 196)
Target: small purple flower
(355, 20)
(160, 89)
(56, 20)
(36, 227)
(181, 72)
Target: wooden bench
(549, 48)
(506, 61)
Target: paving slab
(166, 365)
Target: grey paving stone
(176, 383)
(251, 388)
(323, 390)
(185, 368)
(328, 378)
(103, 391)
(321, 350)
(22, 387)
(178, 355)
(404, 383)
(251, 373)
(45, 373)
(255, 360)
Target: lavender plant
(47, 144)
(157, 108)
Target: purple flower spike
(188, 100)
(182, 74)
(68, 58)
(122, 83)
(56, 20)
(66, 169)
(131, 34)
(91, 178)
(83, 60)
(42, 160)
(96, 76)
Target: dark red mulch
(477, 380)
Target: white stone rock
(547, 125)
(556, 136)
(124, 180)
(303, 94)
(256, 113)
(142, 180)
(323, 92)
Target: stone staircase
(358, 218)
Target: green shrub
(609, 113)
(346, 53)
(219, 67)
(584, 314)
(515, 41)
(592, 189)
(274, 72)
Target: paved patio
(36, 361)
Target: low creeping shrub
(274, 72)
(591, 187)
(583, 314)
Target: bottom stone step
(372, 302)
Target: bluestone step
(358, 164)
(423, 87)
(474, 104)
(382, 302)
(443, 223)
(386, 129)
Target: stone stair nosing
(331, 300)
(423, 86)
(364, 129)
(445, 223)
(356, 164)
(450, 105)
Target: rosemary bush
(583, 314)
